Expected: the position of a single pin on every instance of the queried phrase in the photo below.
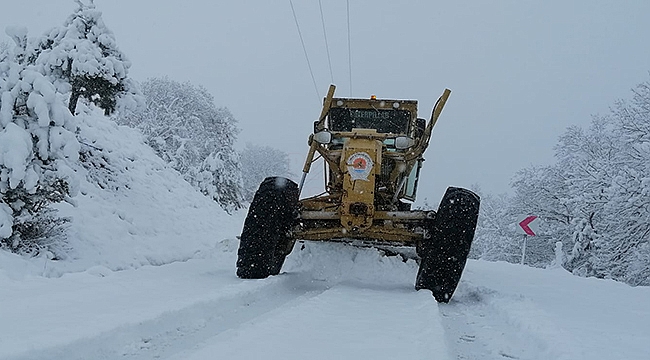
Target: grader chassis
(373, 151)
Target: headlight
(323, 137)
(403, 142)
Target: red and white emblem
(359, 166)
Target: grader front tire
(264, 243)
(443, 256)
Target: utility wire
(304, 50)
(327, 47)
(349, 47)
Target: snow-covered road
(334, 322)
(199, 310)
(331, 302)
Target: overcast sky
(520, 71)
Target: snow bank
(131, 209)
(570, 317)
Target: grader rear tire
(443, 256)
(265, 242)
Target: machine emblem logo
(359, 166)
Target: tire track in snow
(480, 325)
(182, 329)
(330, 292)
(348, 321)
(370, 310)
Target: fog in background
(520, 71)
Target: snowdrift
(131, 209)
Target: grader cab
(373, 152)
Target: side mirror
(323, 137)
(403, 142)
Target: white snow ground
(152, 276)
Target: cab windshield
(383, 120)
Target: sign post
(528, 226)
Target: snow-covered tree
(37, 142)
(259, 162)
(587, 159)
(495, 238)
(626, 254)
(184, 126)
(596, 198)
(82, 59)
(4, 51)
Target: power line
(329, 59)
(349, 47)
(295, 18)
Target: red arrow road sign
(524, 225)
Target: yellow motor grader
(373, 152)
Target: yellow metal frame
(348, 208)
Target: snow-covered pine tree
(219, 177)
(186, 129)
(259, 162)
(36, 143)
(82, 58)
